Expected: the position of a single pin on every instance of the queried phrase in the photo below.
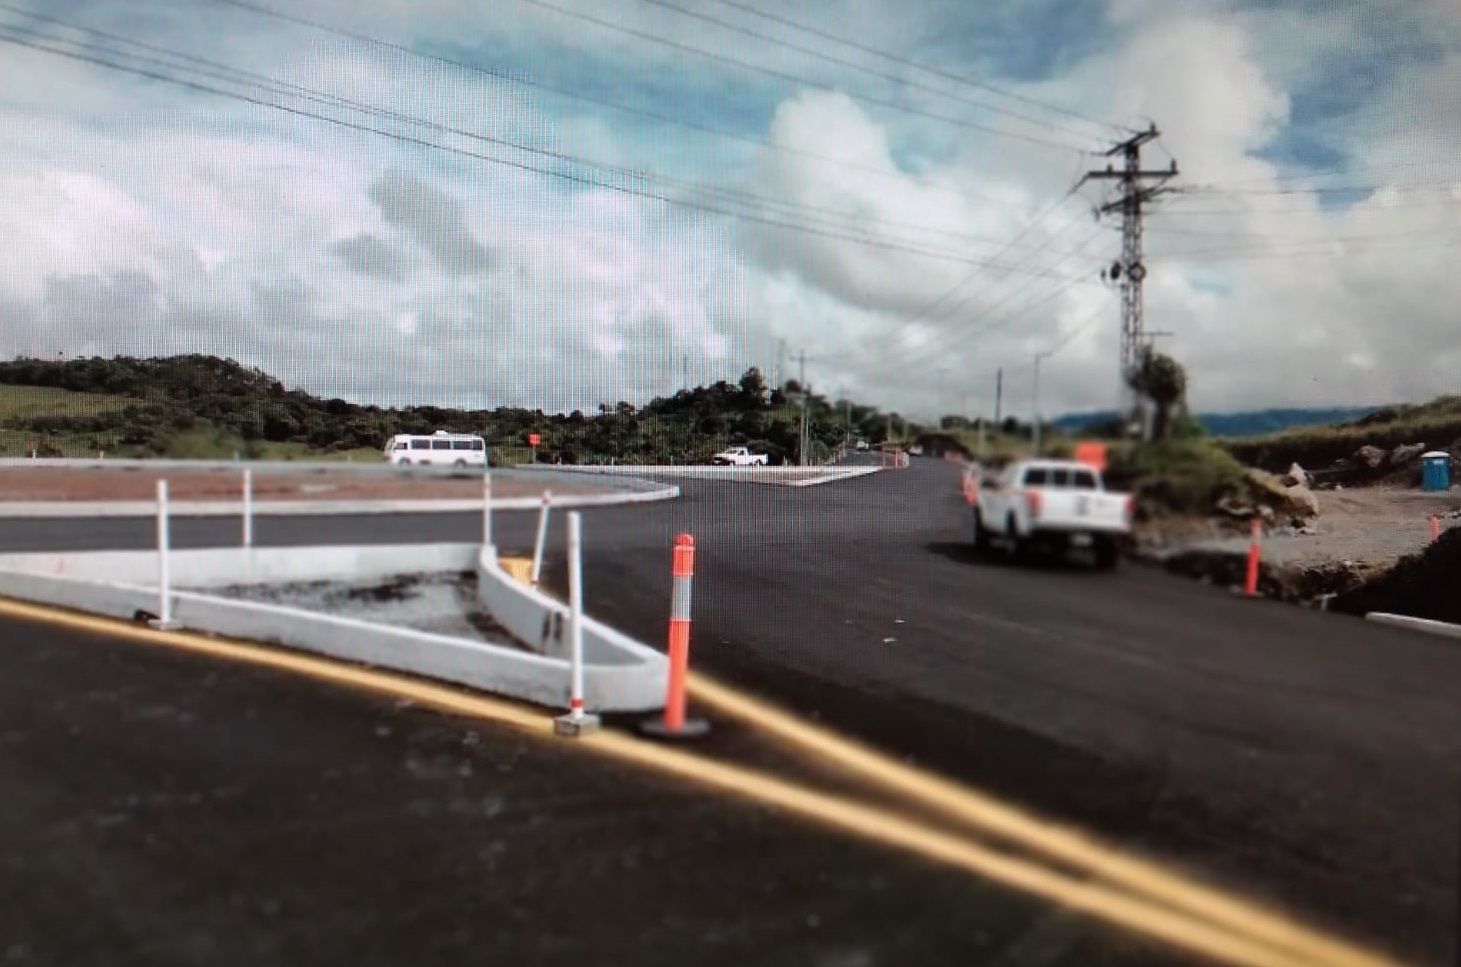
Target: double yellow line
(1124, 891)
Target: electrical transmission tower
(1137, 187)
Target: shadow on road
(961, 552)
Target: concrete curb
(1442, 628)
(308, 508)
(844, 474)
(766, 474)
(619, 674)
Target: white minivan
(442, 448)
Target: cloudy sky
(559, 203)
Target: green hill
(1437, 424)
(204, 406)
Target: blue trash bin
(1435, 470)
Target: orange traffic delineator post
(1255, 548)
(1435, 527)
(674, 724)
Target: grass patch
(29, 402)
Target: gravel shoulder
(442, 604)
(1372, 527)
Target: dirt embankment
(1356, 537)
(1422, 585)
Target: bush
(1183, 476)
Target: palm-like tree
(1161, 379)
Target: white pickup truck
(1054, 504)
(739, 457)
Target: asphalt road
(162, 809)
(1305, 757)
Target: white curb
(1443, 628)
(311, 508)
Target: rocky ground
(1320, 535)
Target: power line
(799, 227)
(842, 62)
(1359, 208)
(904, 62)
(914, 357)
(222, 72)
(1263, 254)
(783, 75)
(1325, 172)
(536, 84)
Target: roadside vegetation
(206, 407)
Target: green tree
(753, 389)
(1161, 379)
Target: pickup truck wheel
(1107, 554)
(981, 536)
(1014, 548)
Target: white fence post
(542, 535)
(576, 721)
(248, 507)
(164, 538)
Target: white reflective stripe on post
(542, 536)
(575, 613)
(680, 599)
(248, 508)
(164, 610)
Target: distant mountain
(1253, 423)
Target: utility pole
(1035, 404)
(940, 407)
(998, 395)
(801, 446)
(1136, 188)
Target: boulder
(1272, 495)
(1406, 454)
(1296, 477)
(1369, 456)
(1302, 501)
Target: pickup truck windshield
(1052, 477)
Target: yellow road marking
(984, 812)
(871, 823)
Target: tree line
(167, 396)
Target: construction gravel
(439, 603)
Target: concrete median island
(444, 611)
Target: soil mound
(1420, 585)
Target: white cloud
(156, 220)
